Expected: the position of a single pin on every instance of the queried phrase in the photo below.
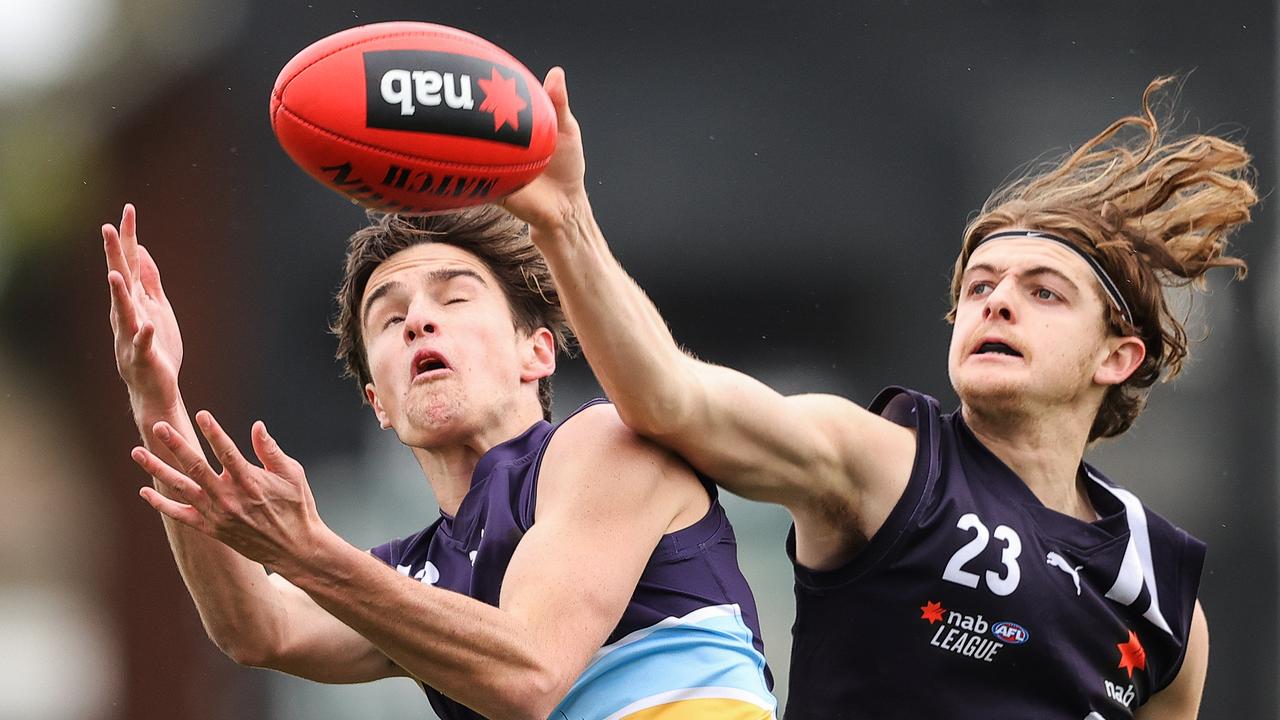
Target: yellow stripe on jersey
(703, 709)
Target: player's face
(1029, 328)
(446, 359)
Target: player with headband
(966, 564)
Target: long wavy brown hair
(1156, 211)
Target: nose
(417, 322)
(1000, 301)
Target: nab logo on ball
(413, 117)
(446, 93)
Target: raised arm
(605, 497)
(832, 463)
(243, 611)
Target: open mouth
(426, 361)
(996, 348)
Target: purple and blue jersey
(688, 644)
(975, 601)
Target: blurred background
(787, 180)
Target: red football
(412, 117)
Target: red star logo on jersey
(1132, 656)
(931, 611)
(501, 99)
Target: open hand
(265, 513)
(148, 345)
(549, 200)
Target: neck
(1045, 452)
(449, 466)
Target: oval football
(413, 117)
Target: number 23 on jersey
(1002, 582)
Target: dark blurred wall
(787, 180)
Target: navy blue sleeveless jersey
(975, 601)
(688, 645)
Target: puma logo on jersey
(1061, 563)
(472, 555)
(428, 575)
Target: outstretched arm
(244, 611)
(833, 464)
(603, 503)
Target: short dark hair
(494, 236)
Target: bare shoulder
(596, 435)
(867, 463)
(597, 426)
(867, 453)
(595, 459)
(844, 419)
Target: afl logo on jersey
(1010, 632)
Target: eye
(981, 287)
(1046, 294)
(391, 321)
(454, 301)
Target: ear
(371, 394)
(1124, 356)
(538, 355)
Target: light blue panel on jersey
(709, 649)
